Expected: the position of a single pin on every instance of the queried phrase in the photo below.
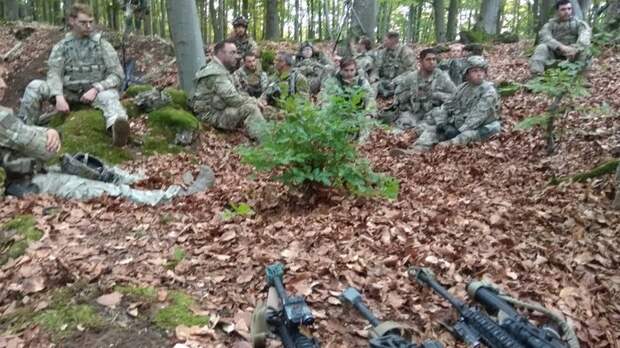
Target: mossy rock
(508, 88)
(179, 97)
(84, 131)
(25, 228)
(174, 119)
(132, 109)
(507, 37)
(178, 312)
(474, 36)
(134, 90)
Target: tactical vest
(83, 63)
(566, 32)
(251, 82)
(390, 63)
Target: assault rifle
(510, 331)
(282, 313)
(387, 334)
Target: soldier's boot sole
(120, 133)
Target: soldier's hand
(571, 52)
(89, 96)
(53, 141)
(61, 104)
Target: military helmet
(240, 21)
(475, 62)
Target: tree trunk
(500, 18)
(453, 12)
(271, 22)
(489, 15)
(11, 10)
(411, 15)
(364, 18)
(185, 32)
(440, 23)
(66, 6)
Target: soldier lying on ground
(472, 114)
(563, 37)
(83, 68)
(420, 92)
(216, 99)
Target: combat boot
(120, 132)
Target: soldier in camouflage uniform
(563, 37)
(249, 78)
(285, 82)
(391, 61)
(217, 101)
(472, 114)
(365, 59)
(83, 68)
(420, 92)
(313, 65)
(242, 39)
(456, 65)
(346, 83)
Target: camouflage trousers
(248, 115)
(22, 140)
(38, 91)
(544, 56)
(449, 135)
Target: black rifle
(385, 334)
(294, 312)
(474, 326)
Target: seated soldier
(313, 65)
(285, 82)
(563, 37)
(251, 79)
(24, 149)
(346, 83)
(365, 59)
(472, 114)
(419, 92)
(392, 60)
(83, 68)
(455, 65)
(216, 99)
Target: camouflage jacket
(572, 32)
(215, 90)
(23, 148)
(455, 68)
(77, 64)
(418, 94)
(244, 45)
(336, 86)
(473, 106)
(253, 83)
(393, 62)
(366, 64)
(290, 82)
(311, 67)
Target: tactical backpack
(86, 166)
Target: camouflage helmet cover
(240, 21)
(475, 62)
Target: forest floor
(110, 273)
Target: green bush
(317, 146)
(267, 57)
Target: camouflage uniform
(75, 66)
(391, 63)
(416, 96)
(455, 68)
(244, 45)
(337, 86)
(573, 32)
(314, 70)
(23, 150)
(290, 82)
(217, 101)
(251, 82)
(472, 114)
(366, 64)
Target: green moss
(84, 131)
(138, 293)
(178, 312)
(159, 141)
(179, 97)
(134, 90)
(474, 36)
(133, 110)
(170, 118)
(178, 255)
(25, 228)
(508, 88)
(605, 168)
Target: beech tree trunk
(187, 39)
(364, 18)
(453, 12)
(271, 22)
(440, 22)
(11, 10)
(489, 15)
